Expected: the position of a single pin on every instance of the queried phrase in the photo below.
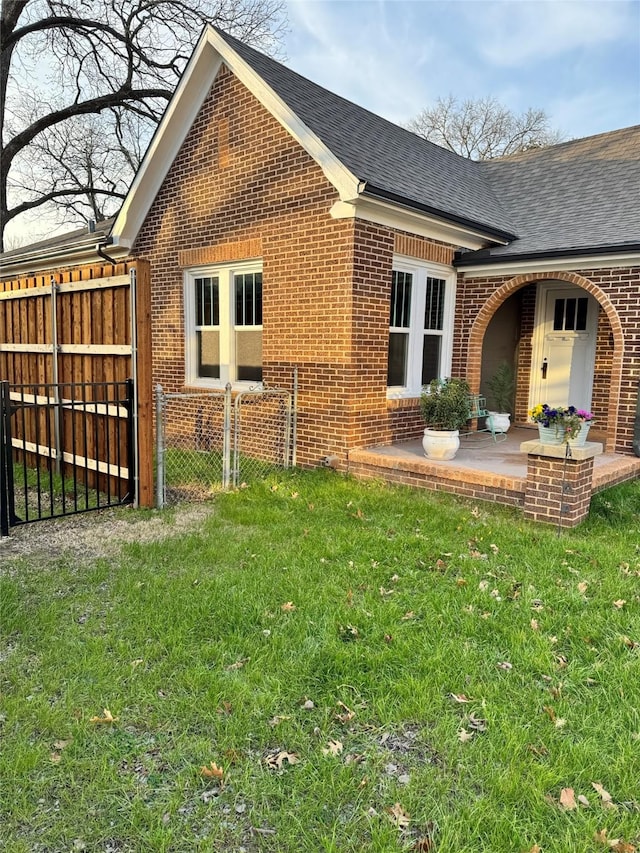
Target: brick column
(559, 488)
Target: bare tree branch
(83, 84)
(483, 129)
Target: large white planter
(499, 421)
(440, 444)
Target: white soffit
(210, 52)
(584, 262)
(411, 221)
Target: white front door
(564, 347)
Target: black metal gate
(64, 448)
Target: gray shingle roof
(579, 195)
(393, 161)
(576, 196)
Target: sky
(578, 60)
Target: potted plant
(561, 424)
(501, 385)
(445, 409)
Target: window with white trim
(420, 326)
(223, 324)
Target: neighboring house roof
(571, 198)
(78, 244)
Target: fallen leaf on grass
(582, 587)
(583, 801)
(279, 718)
(629, 643)
(619, 845)
(408, 615)
(605, 796)
(459, 697)
(620, 603)
(62, 744)
(307, 704)
(278, 759)
(237, 665)
(225, 708)
(464, 736)
(477, 724)
(212, 771)
(568, 799)
(107, 718)
(347, 714)
(55, 757)
(287, 607)
(334, 747)
(398, 816)
(535, 625)
(504, 664)
(535, 849)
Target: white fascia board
(551, 265)
(411, 221)
(211, 51)
(176, 122)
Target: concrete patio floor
(481, 468)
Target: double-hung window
(420, 326)
(223, 324)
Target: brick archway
(485, 314)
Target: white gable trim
(210, 52)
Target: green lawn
(373, 669)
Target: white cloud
(514, 33)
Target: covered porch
(481, 469)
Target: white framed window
(223, 324)
(420, 326)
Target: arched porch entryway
(517, 304)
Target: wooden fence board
(93, 319)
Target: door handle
(545, 365)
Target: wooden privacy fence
(83, 325)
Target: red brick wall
(242, 187)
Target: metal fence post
(160, 445)
(294, 418)
(226, 438)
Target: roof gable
(359, 152)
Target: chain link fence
(215, 440)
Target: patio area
(482, 468)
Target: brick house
(287, 227)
